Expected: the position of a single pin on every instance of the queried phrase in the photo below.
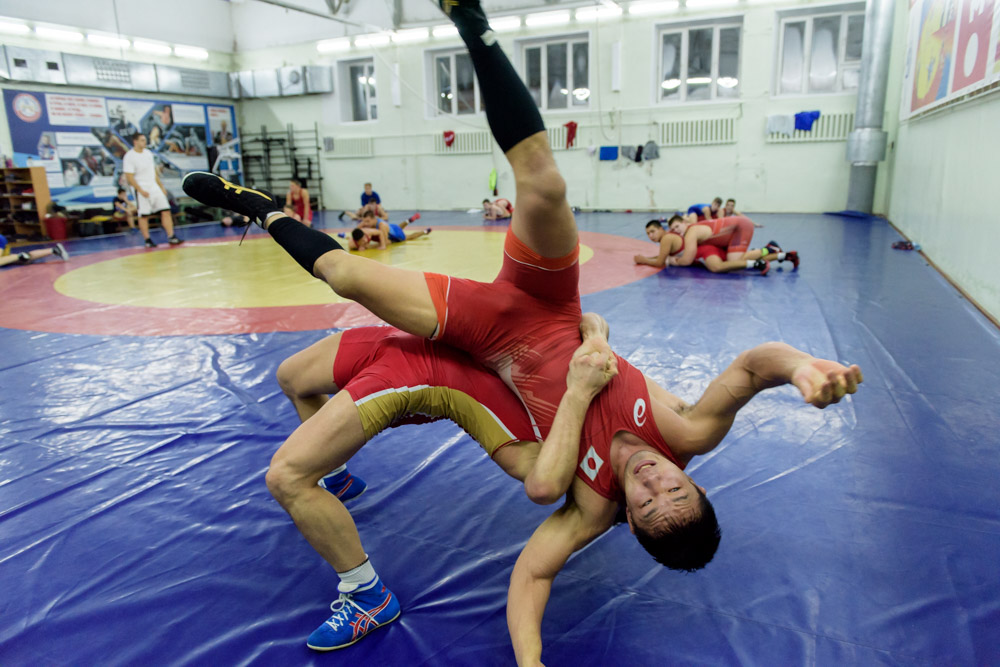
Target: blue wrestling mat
(137, 529)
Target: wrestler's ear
(628, 517)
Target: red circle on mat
(31, 302)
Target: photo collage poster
(952, 49)
(81, 140)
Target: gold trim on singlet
(382, 409)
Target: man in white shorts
(151, 196)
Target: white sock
(358, 577)
(750, 263)
(334, 472)
(780, 256)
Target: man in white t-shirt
(140, 172)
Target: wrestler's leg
(306, 377)
(739, 241)
(319, 445)
(543, 219)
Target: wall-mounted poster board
(81, 140)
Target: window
(820, 53)
(456, 88)
(699, 62)
(557, 73)
(361, 79)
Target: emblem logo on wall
(27, 107)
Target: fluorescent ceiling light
(728, 82)
(58, 35)
(444, 31)
(109, 41)
(597, 13)
(333, 45)
(652, 7)
(154, 48)
(13, 28)
(505, 23)
(374, 39)
(671, 84)
(413, 35)
(696, 80)
(193, 52)
(546, 18)
(704, 4)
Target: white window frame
(684, 28)
(541, 43)
(347, 85)
(432, 83)
(844, 12)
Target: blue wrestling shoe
(355, 614)
(344, 485)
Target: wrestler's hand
(591, 368)
(638, 259)
(823, 382)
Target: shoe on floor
(173, 240)
(150, 243)
(356, 612)
(60, 251)
(344, 485)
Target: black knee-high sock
(304, 244)
(510, 109)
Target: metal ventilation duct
(109, 73)
(319, 79)
(241, 84)
(192, 81)
(35, 65)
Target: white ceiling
(246, 25)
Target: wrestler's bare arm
(591, 368)
(583, 517)
(686, 258)
(820, 381)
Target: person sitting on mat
(370, 201)
(706, 253)
(297, 205)
(711, 211)
(501, 209)
(524, 326)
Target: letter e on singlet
(591, 464)
(639, 412)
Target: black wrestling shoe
(212, 190)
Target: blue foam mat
(136, 526)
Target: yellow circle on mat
(259, 273)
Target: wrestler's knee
(283, 481)
(545, 184)
(287, 376)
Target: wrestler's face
(368, 188)
(678, 227)
(294, 187)
(655, 233)
(730, 207)
(140, 141)
(657, 493)
(363, 243)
